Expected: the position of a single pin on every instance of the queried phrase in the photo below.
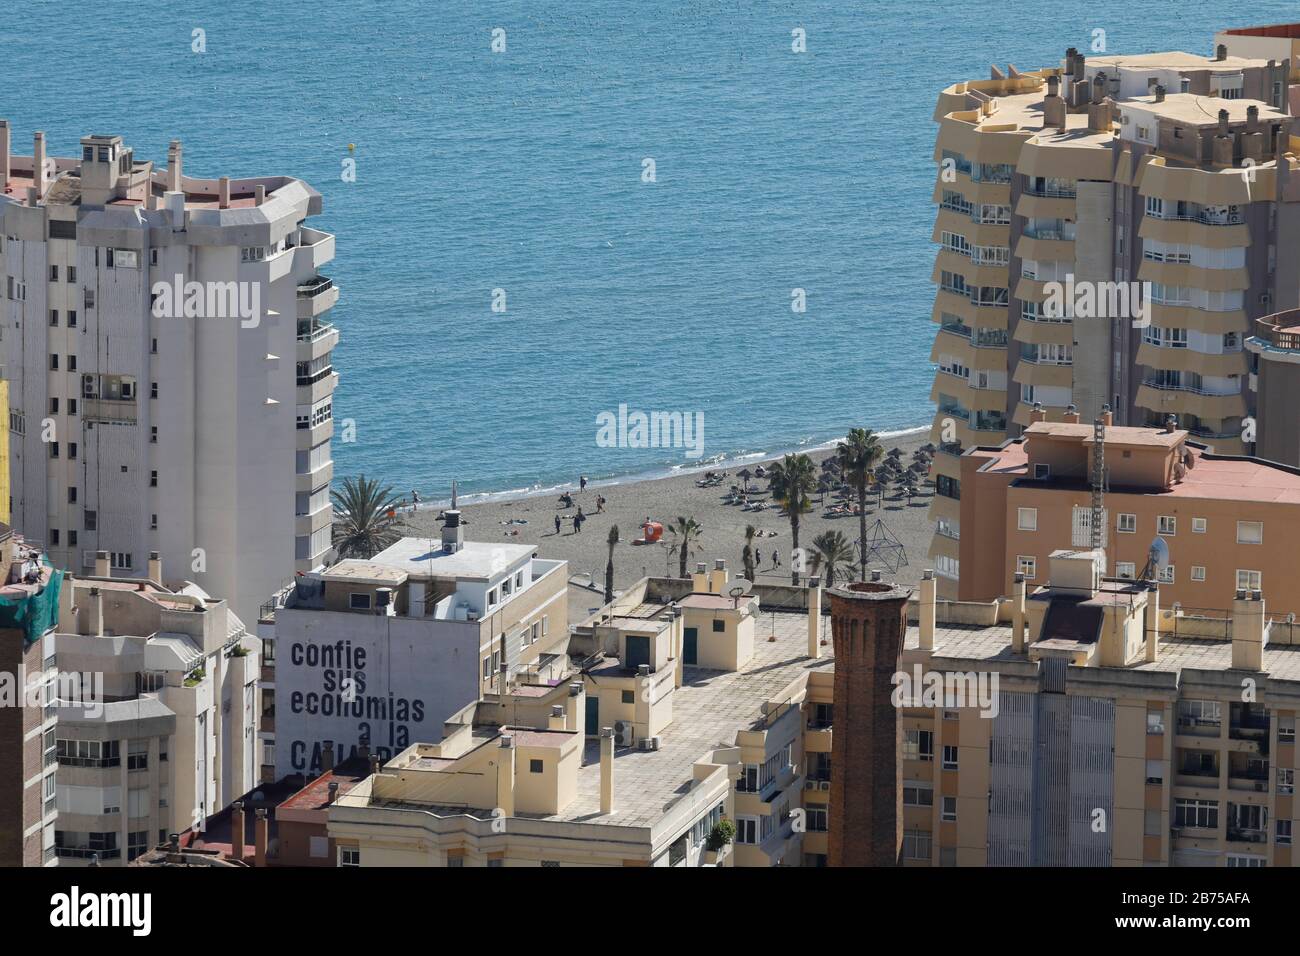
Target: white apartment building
(174, 739)
(170, 367)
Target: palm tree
(832, 549)
(858, 454)
(686, 533)
(794, 477)
(611, 540)
(748, 553)
(365, 518)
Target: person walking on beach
(578, 519)
(557, 524)
(776, 558)
(582, 482)
(415, 499)
(600, 504)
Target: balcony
(107, 410)
(1248, 723)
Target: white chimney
(223, 192)
(1249, 631)
(607, 770)
(155, 567)
(815, 617)
(453, 533)
(174, 166)
(38, 164)
(506, 776)
(102, 569)
(1018, 615)
(926, 610)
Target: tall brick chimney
(868, 623)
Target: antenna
(1097, 526)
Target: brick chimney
(868, 623)
(261, 838)
(237, 830)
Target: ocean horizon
(520, 177)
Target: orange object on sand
(653, 531)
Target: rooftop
(709, 709)
(424, 558)
(1192, 109)
(993, 644)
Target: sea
(545, 211)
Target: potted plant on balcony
(719, 838)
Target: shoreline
(531, 519)
(722, 462)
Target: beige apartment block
(174, 739)
(1109, 230)
(1127, 731)
(126, 433)
(1225, 522)
(684, 705)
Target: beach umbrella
(895, 452)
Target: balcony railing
(314, 287)
(311, 331)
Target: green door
(638, 651)
(593, 715)
(691, 643)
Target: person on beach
(582, 482)
(776, 558)
(600, 504)
(578, 519)
(415, 499)
(557, 524)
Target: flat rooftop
(990, 645)
(709, 709)
(1119, 435)
(1192, 109)
(424, 558)
(1173, 60)
(1211, 477)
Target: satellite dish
(1157, 558)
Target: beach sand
(662, 499)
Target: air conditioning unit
(824, 784)
(811, 785)
(646, 743)
(623, 733)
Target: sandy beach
(662, 499)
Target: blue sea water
(522, 171)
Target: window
(1166, 524)
(1042, 472)
(1126, 523)
(1286, 729)
(918, 745)
(1286, 780)
(1125, 569)
(153, 479)
(1250, 580)
(349, 856)
(1198, 814)
(948, 809)
(1283, 832)
(629, 697)
(1198, 526)
(54, 317)
(747, 830)
(359, 602)
(1027, 565)
(949, 757)
(54, 363)
(1198, 572)
(719, 625)
(918, 794)
(534, 766)
(1155, 771)
(1027, 519)
(1166, 575)
(1250, 532)
(916, 845)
